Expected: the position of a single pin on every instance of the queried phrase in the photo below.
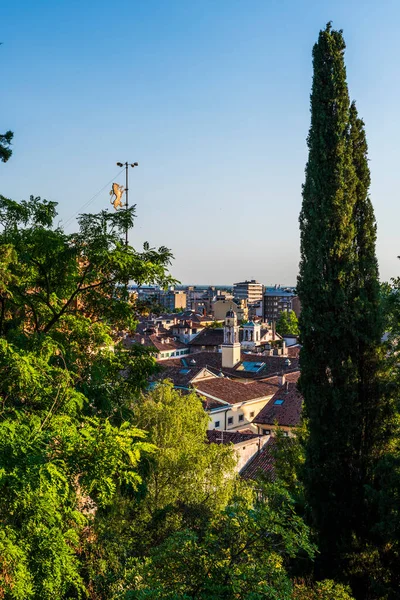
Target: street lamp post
(126, 165)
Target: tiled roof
(288, 413)
(216, 436)
(161, 342)
(208, 337)
(262, 463)
(293, 351)
(215, 337)
(234, 392)
(188, 325)
(213, 361)
(290, 377)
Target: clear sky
(211, 97)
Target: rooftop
(230, 437)
(284, 408)
(234, 391)
(262, 463)
(213, 361)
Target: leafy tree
(322, 590)
(242, 554)
(67, 385)
(287, 323)
(5, 143)
(349, 416)
(186, 482)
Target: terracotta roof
(215, 337)
(188, 324)
(208, 337)
(294, 351)
(213, 361)
(161, 342)
(215, 436)
(262, 463)
(234, 392)
(288, 413)
(290, 377)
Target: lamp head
(135, 164)
(119, 164)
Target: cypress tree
(340, 324)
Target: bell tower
(231, 345)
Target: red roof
(215, 436)
(286, 413)
(262, 463)
(234, 392)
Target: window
(241, 418)
(216, 424)
(252, 414)
(278, 402)
(286, 434)
(266, 431)
(230, 420)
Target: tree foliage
(242, 553)
(5, 143)
(287, 323)
(350, 415)
(66, 388)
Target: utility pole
(126, 165)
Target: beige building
(221, 307)
(246, 444)
(252, 291)
(233, 404)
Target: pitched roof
(215, 436)
(215, 336)
(294, 351)
(288, 413)
(187, 324)
(290, 377)
(232, 391)
(161, 342)
(208, 337)
(262, 463)
(213, 361)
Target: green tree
(287, 323)
(67, 446)
(186, 482)
(340, 324)
(322, 590)
(5, 143)
(242, 553)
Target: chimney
(273, 330)
(281, 379)
(286, 387)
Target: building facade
(251, 290)
(276, 301)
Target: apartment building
(251, 290)
(278, 300)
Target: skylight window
(184, 371)
(278, 402)
(251, 367)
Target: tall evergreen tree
(340, 324)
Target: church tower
(231, 345)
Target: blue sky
(211, 97)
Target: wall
(233, 411)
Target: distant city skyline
(212, 100)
